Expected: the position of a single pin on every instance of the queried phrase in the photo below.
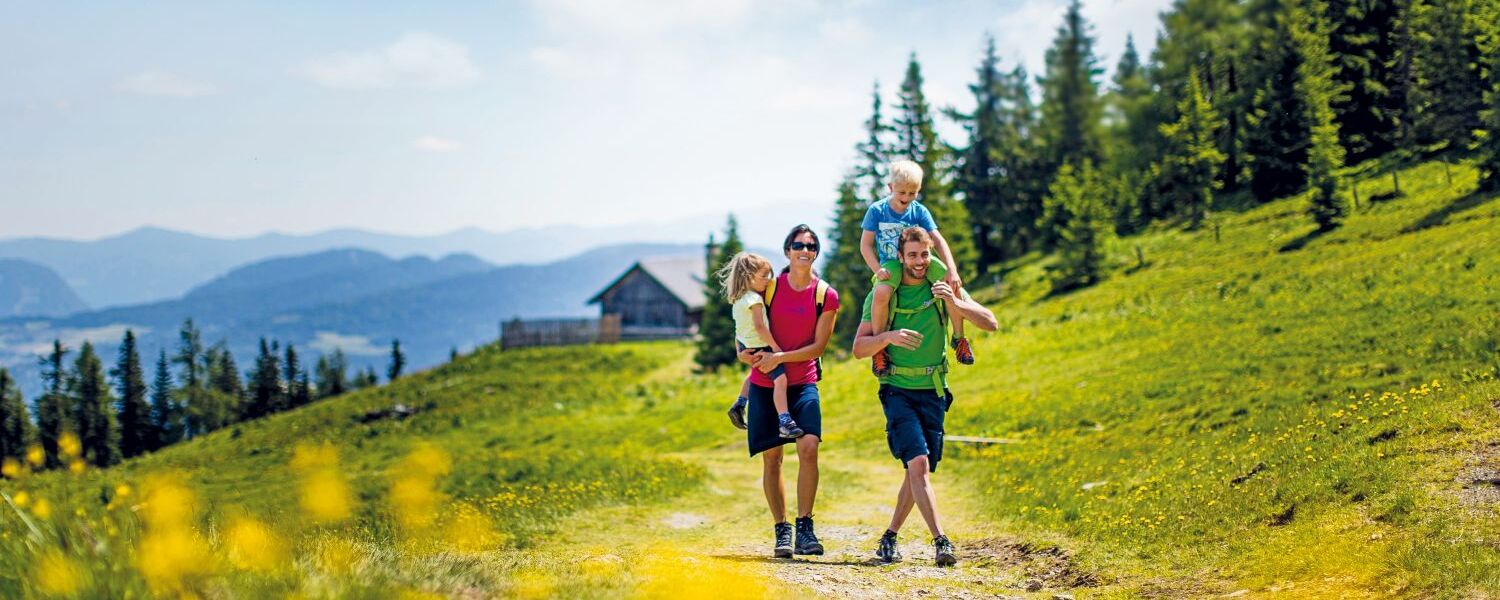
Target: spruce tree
(16, 433)
(332, 374)
(1193, 157)
(265, 384)
(1317, 89)
(1214, 37)
(846, 270)
(916, 139)
(1487, 20)
(1071, 105)
(1402, 107)
(874, 152)
(298, 394)
(716, 326)
(976, 177)
(398, 361)
(1021, 166)
(224, 376)
(53, 409)
(1277, 131)
(1362, 33)
(1076, 200)
(1130, 119)
(137, 433)
(190, 355)
(1449, 88)
(93, 409)
(166, 413)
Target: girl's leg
(778, 396)
(745, 387)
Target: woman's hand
(768, 361)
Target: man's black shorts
(914, 423)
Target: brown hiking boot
(962, 350)
(880, 364)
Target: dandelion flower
(57, 575)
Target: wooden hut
(656, 298)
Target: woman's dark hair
(786, 246)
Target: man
(915, 394)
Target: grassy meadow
(1244, 406)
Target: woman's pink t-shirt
(794, 324)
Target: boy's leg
(880, 316)
(961, 348)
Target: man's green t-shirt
(925, 322)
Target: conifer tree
(1402, 108)
(166, 412)
(1487, 19)
(1021, 166)
(137, 433)
(916, 139)
(1076, 201)
(190, 355)
(1129, 118)
(265, 384)
(1361, 43)
(93, 409)
(1317, 89)
(398, 361)
(846, 270)
(1211, 36)
(332, 374)
(716, 326)
(1449, 88)
(16, 432)
(977, 173)
(874, 152)
(54, 410)
(1193, 157)
(1277, 134)
(297, 393)
(224, 376)
(1071, 105)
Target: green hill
(1250, 407)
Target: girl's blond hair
(736, 275)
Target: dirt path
(725, 527)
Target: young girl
(744, 280)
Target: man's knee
(807, 448)
(918, 465)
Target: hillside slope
(1261, 413)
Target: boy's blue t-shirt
(887, 225)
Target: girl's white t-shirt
(744, 324)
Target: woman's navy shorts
(914, 423)
(764, 433)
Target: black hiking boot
(807, 541)
(783, 540)
(944, 551)
(889, 551)
(788, 427)
(737, 413)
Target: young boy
(883, 223)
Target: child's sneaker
(737, 413)
(789, 428)
(880, 364)
(962, 350)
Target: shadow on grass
(1441, 215)
(1303, 240)
(757, 558)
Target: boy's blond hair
(736, 275)
(905, 171)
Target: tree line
(1242, 101)
(194, 391)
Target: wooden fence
(559, 332)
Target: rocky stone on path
(1033, 585)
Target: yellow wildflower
(69, 445)
(11, 468)
(253, 546)
(57, 575)
(42, 509)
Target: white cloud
(154, 82)
(815, 97)
(641, 17)
(848, 30)
(418, 59)
(431, 143)
(355, 345)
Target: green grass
(1269, 410)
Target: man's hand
(882, 274)
(943, 291)
(902, 338)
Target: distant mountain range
(356, 300)
(29, 288)
(152, 264)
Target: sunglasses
(810, 247)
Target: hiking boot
(944, 551)
(789, 428)
(783, 540)
(737, 413)
(880, 364)
(889, 551)
(807, 541)
(962, 350)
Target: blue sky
(233, 119)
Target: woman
(802, 313)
